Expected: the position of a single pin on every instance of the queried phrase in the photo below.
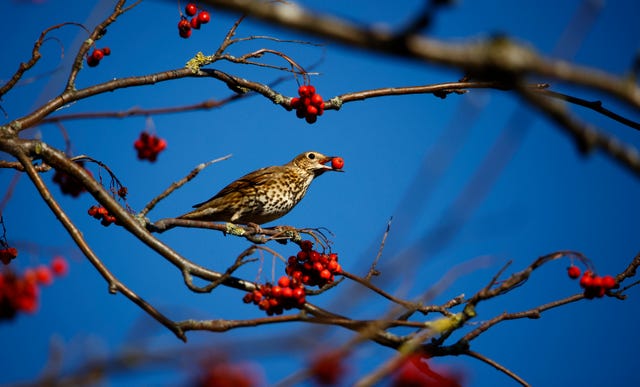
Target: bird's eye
(311, 156)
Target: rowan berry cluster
(97, 55)
(185, 25)
(309, 105)
(328, 368)
(21, 292)
(149, 146)
(593, 284)
(312, 268)
(69, 184)
(274, 299)
(308, 267)
(7, 254)
(219, 372)
(103, 215)
(415, 370)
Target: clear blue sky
(546, 197)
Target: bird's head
(314, 162)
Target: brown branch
(533, 313)
(593, 105)
(114, 284)
(95, 35)
(239, 261)
(498, 58)
(35, 57)
(586, 136)
(497, 366)
(9, 192)
(136, 111)
(372, 270)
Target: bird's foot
(256, 228)
(288, 233)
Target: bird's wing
(248, 181)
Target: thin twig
(497, 366)
(174, 186)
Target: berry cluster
(7, 254)
(20, 293)
(274, 299)
(328, 368)
(103, 215)
(309, 105)
(185, 25)
(416, 371)
(312, 268)
(308, 267)
(96, 56)
(149, 146)
(593, 285)
(69, 184)
(219, 372)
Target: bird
(263, 195)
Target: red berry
(338, 163)
(608, 282)
(276, 291)
(190, 9)
(106, 51)
(91, 62)
(314, 256)
(97, 54)
(185, 33)
(311, 90)
(325, 274)
(311, 119)
(298, 293)
(44, 275)
(327, 369)
(6, 255)
(573, 272)
(287, 292)
(317, 101)
(306, 245)
(284, 281)
(195, 23)
(183, 24)
(303, 91)
(302, 255)
(587, 279)
(312, 110)
(248, 298)
(295, 102)
(264, 304)
(204, 17)
(597, 282)
(59, 265)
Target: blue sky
(545, 195)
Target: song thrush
(263, 195)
